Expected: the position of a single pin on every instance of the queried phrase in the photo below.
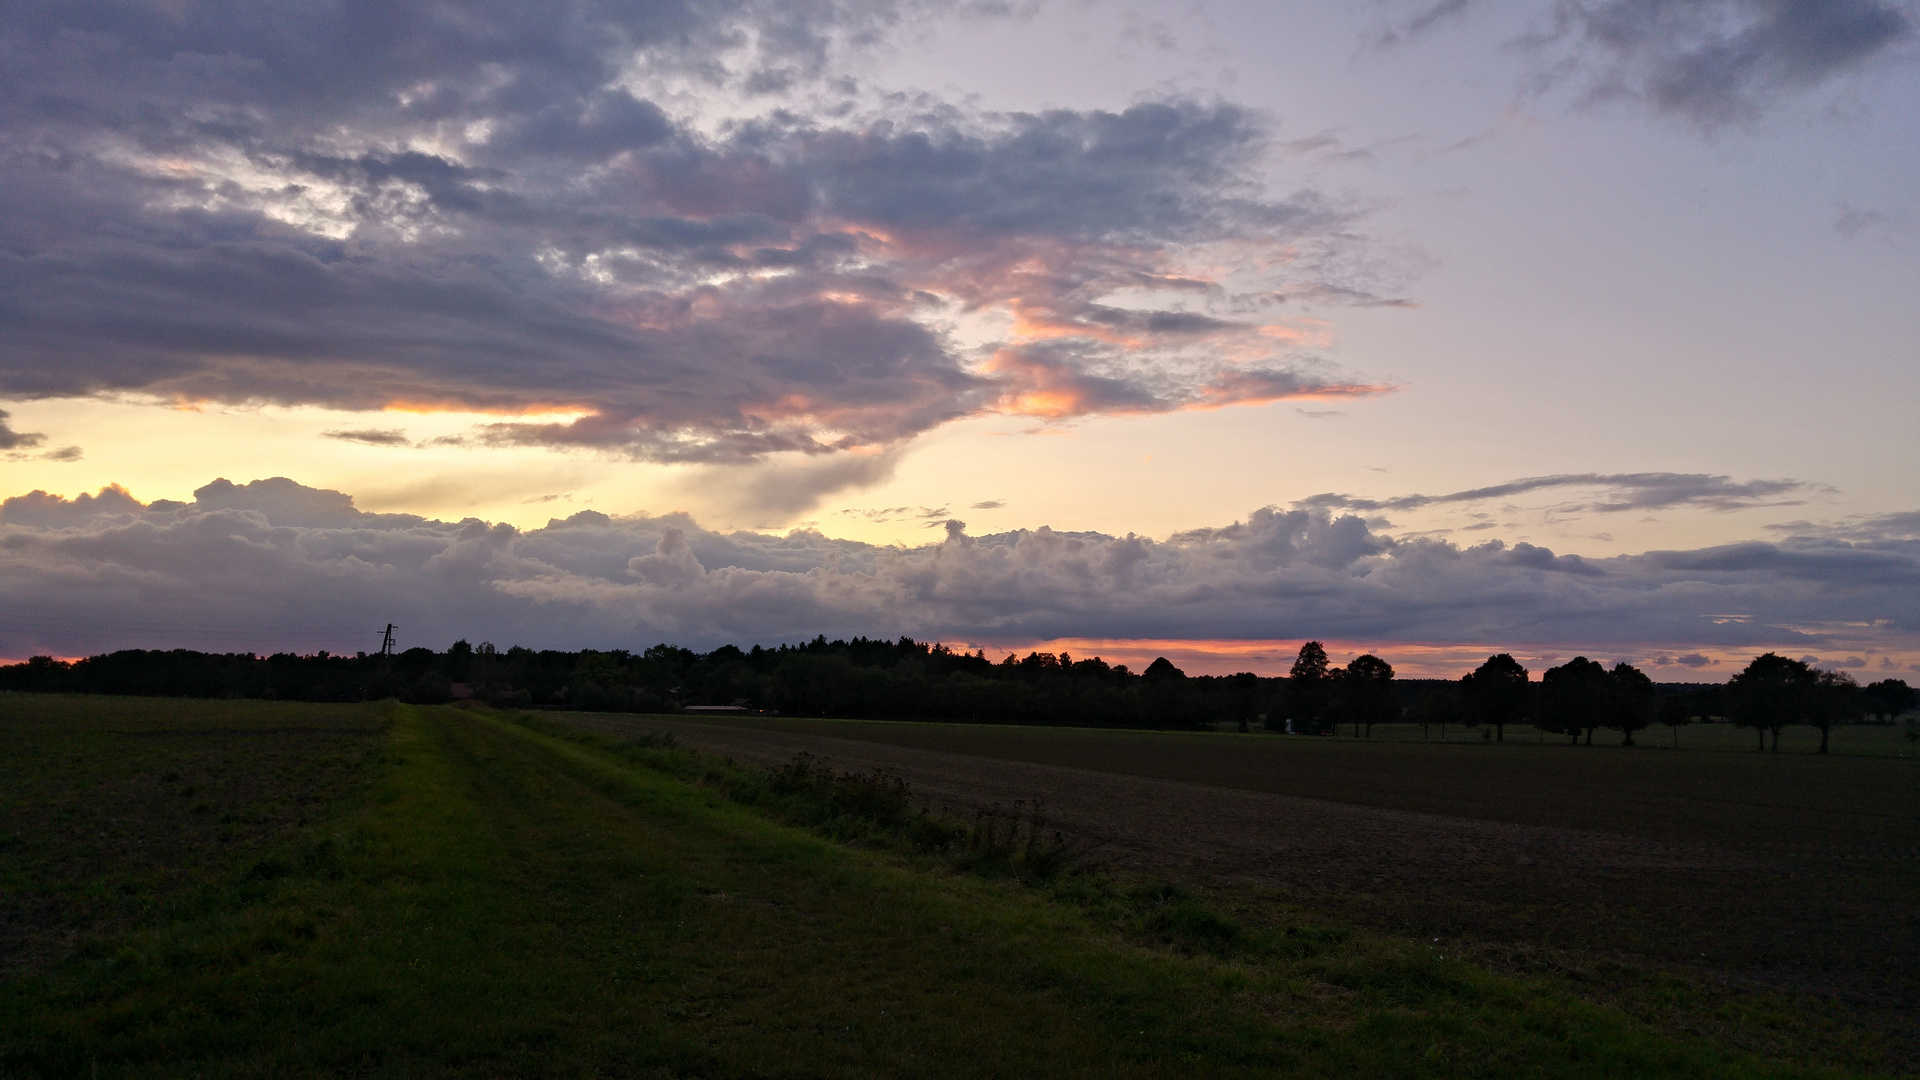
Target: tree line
(1581, 696)
(908, 679)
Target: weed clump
(878, 807)
(1017, 842)
(1176, 918)
(842, 805)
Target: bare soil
(1769, 874)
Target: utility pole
(386, 641)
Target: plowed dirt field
(1765, 871)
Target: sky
(1432, 328)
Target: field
(1871, 740)
(247, 889)
(1783, 873)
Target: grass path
(499, 901)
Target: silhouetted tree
(1836, 700)
(1769, 693)
(1161, 668)
(459, 656)
(1631, 704)
(1888, 698)
(1575, 697)
(1437, 706)
(1496, 692)
(1364, 693)
(1309, 689)
(1676, 712)
(1243, 697)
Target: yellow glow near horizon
(1148, 475)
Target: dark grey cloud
(1718, 62)
(17, 440)
(1862, 529)
(1710, 62)
(38, 509)
(371, 436)
(78, 575)
(465, 205)
(1615, 492)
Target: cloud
(17, 440)
(467, 206)
(781, 489)
(1616, 492)
(1432, 15)
(1867, 528)
(80, 574)
(371, 436)
(990, 504)
(38, 509)
(1712, 63)
(1850, 221)
(931, 515)
(1721, 62)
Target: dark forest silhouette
(907, 679)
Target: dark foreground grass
(502, 898)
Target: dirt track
(1752, 917)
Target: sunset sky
(1196, 329)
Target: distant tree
(1364, 694)
(485, 667)
(1575, 698)
(1769, 693)
(1161, 668)
(1437, 706)
(1309, 687)
(1836, 699)
(1243, 697)
(459, 656)
(1630, 707)
(1888, 698)
(1496, 693)
(1675, 711)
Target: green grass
(496, 897)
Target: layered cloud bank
(484, 206)
(272, 564)
(1710, 62)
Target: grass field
(251, 889)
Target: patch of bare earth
(1748, 916)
